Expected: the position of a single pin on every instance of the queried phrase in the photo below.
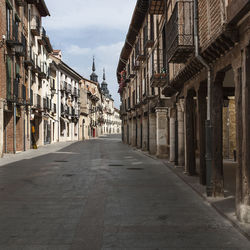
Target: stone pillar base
(243, 213)
(161, 132)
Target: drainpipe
(208, 121)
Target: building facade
(68, 99)
(39, 93)
(196, 55)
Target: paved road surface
(101, 194)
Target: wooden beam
(217, 144)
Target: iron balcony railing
(158, 74)
(180, 39)
(38, 101)
(24, 98)
(45, 104)
(31, 97)
(65, 86)
(62, 84)
(54, 108)
(62, 109)
(69, 88)
(42, 32)
(52, 84)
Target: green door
(8, 78)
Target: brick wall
(229, 130)
(2, 49)
(210, 20)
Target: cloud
(76, 50)
(80, 14)
(83, 28)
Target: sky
(86, 28)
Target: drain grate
(67, 175)
(162, 217)
(135, 168)
(116, 165)
(61, 161)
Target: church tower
(104, 86)
(93, 76)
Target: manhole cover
(61, 161)
(134, 168)
(116, 165)
(67, 175)
(162, 217)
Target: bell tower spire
(93, 76)
(93, 65)
(104, 75)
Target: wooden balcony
(158, 65)
(136, 65)
(156, 7)
(180, 40)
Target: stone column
(172, 135)
(242, 95)
(152, 133)
(180, 117)
(161, 132)
(133, 139)
(130, 135)
(1, 127)
(145, 132)
(139, 132)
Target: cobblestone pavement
(101, 194)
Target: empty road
(102, 194)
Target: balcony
(148, 34)
(156, 7)
(41, 38)
(54, 109)
(158, 66)
(24, 98)
(136, 65)
(62, 88)
(42, 70)
(38, 102)
(180, 40)
(140, 51)
(69, 89)
(62, 109)
(35, 26)
(31, 97)
(29, 58)
(36, 67)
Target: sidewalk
(225, 206)
(32, 153)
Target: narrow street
(102, 194)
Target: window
(8, 20)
